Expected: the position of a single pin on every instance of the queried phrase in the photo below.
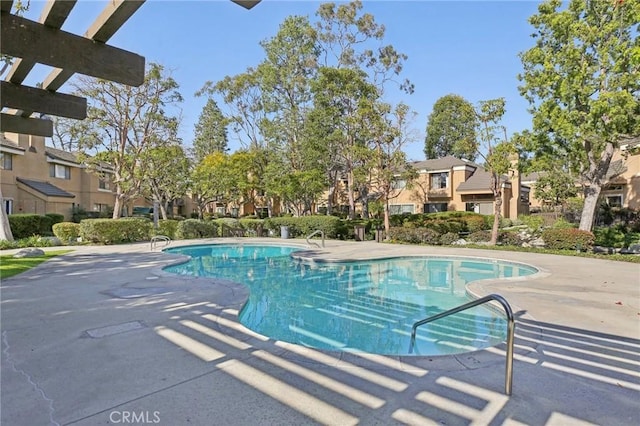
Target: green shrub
(32, 241)
(25, 225)
(78, 214)
(445, 226)
(226, 226)
(414, 235)
(488, 221)
(479, 236)
(509, 238)
(567, 239)
(505, 222)
(196, 228)
(55, 217)
(253, 225)
(67, 231)
(562, 224)
(449, 238)
(47, 221)
(305, 225)
(533, 222)
(616, 236)
(475, 223)
(114, 231)
(167, 228)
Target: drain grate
(110, 330)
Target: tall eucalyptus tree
(582, 79)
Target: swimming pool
(363, 306)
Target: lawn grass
(10, 266)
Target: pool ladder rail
(317, 231)
(157, 239)
(511, 326)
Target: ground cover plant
(10, 266)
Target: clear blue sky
(465, 47)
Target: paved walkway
(103, 336)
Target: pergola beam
(53, 15)
(247, 4)
(43, 101)
(20, 37)
(5, 5)
(114, 15)
(25, 125)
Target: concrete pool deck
(103, 336)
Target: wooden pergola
(44, 42)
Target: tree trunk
(497, 205)
(595, 178)
(387, 222)
(5, 228)
(364, 199)
(163, 210)
(332, 191)
(591, 196)
(117, 207)
(352, 200)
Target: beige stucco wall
(631, 178)
(33, 165)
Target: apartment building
(623, 185)
(39, 179)
(453, 184)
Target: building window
(59, 171)
(102, 208)
(440, 180)
(6, 161)
(401, 208)
(7, 205)
(399, 184)
(435, 207)
(103, 184)
(614, 200)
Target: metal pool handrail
(156, 239)
(511, 326)
(318, 231)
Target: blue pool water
(366, 306)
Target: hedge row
(445, 222)
(27, 225)
(115, 231)
(305, 225)
(433, 237)
(436, 230)
(567, 239)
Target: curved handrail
(160, 238)
(511, 325)
(318, 231)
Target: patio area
(103, 336)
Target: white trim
(8, 201)
(104, 190)
(10, 150)
(439, 171)
(63, 162)
(465, 168)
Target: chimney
(36, 144)
(514, 177)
